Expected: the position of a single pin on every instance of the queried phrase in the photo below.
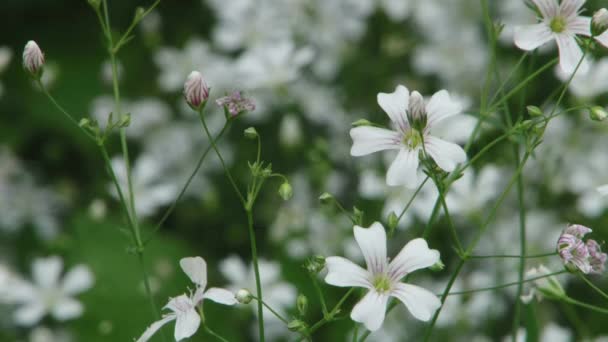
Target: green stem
(256, 270)
(331, 315)
(502, 286)
(411, 200)
(315, 283)
(597, 289)
(512, 256)
(273, 311)
(213, 333)
(584, 305)
(125, 36)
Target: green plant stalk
(256, 269)
(512, 256)
(597, 289)
(584, 305)
(213, 333)
(315, 283)
(502, 286)
(273, 311)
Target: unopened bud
(125, 120)
(95, 4)
(597, 113)
(302, 304)
(84, 122)
(361, 122)
(416, 111)
(358, 215)
(393, 220)
(33, 59)
(599, 22)
(315, 264)
(139, 14)
(250, 133)
(285, 191)
(297, 325)
(438, 266)
(196, 90)
(243, 296)
(534, 111)
(326, 198)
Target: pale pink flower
(576, 254)
(196, 90)
(33, 58)
(236, 103)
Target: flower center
(412, 138)
(382, 283)
(558, 24)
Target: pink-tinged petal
(367, 139)
(196, 269)
(30, 313)
(221, 296)
(603, 38)
(548, 8)
(440, 107)
(580, 25)
(344, 273)
(446, 154)
(603, 190)
(370, 310)
(570, 54)
(153, 328)
(415, 255)
(77, 280)
(46, 271)
(420, 302)
(186, 324)
(67, 308)
(372, 242)
(570, 8)
(403, 169)
(529, 37)
(395, 104)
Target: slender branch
(502, 286)
(512, 256)
(597, 289)
(256, 269)
(125, 36)
(273, 311)
(315, 283)
(584, 305)
(213, 333)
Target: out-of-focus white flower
(590, 84)
(45, 334)
(48, 294)
(562, 22)
(6, 54)
(544, 286)
(107, 74)
(196, 90)
(383, 279)
(550, 333)
(33, 58)
(183, 308)
(470, 193)
(410, 137)
(290, 130)
(396, 9)
(603, 190)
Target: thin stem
(344, 211)
(125, 36)
(213, 333)
(356, 332)
(597, 289)
(452, 229)
(330, 316)
(315, 283)
(256, 270)
(512, 256)
(276, 314)
(584, 305)
(140, 257)
(502, 286)
(409, 203)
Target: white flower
(183, 307)
(409, 137)
(49, 294)
(383, 279)
(561, 22)
(603, 190)
(33, 58)
(543, 286)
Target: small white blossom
(383, 278)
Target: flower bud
(326, 198)
(243, 296)
(361, 122)
(196, 90)
(285, 191)
(33, 59)
(250, 133)
(315, 264)
(416, 111)
(139, 14)
(297, 325)
(95, 4)
(438, 266)
(534, 111)
(358, 215)
(597, 113)
(393, 220)
(302, 304)
(599, 22)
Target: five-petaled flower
(383, 278)
(561, 22)
(183, 307)
(412, 121)
(576, 254)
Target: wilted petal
(403, 169)
(569, 54)
(420, 302)
(77, 280)
(30, 313)
(446, 154)
(395, 104)
(46, 271)
(186, 324)
(153, 328)
(529, 37)
(372, 242)
(367, 139)
(221, 296)
(441, 106)
(370, 310)
(67, 308)
(343, 272)
(196, 269)
(548, 8)
(413, 256)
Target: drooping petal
(441, 106)
(403, 169)
(548, 8)
(580, 25)
(344, 273)
(372, 242)
(370, 310)
(30, 313)
(78, 279)
(46, 271)
(569, 54)
(569, 8)
(446, 154)
(395, 105)
(186, 324)
(221, 296)
(196, 269)
(367, 139)
(153, 328)
(603, 38)
(529, 37)
(415, 255)
(67, 308)
(420, 302)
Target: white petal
(603, 190)
(30, 313)
(153, 328)
(529, 37)
(415, 255)
(395, 105)
(367, 139)
(370, 310)
(344, 273)
(441, 106)
(420, 302)
(196, 269)
(570, 8)
(548, 8)
(46, 271)
(372, 242)
(569, 54)
(220, 296)
(186, 324)
(603, 38)
(67, 308)
(77, 280)
(446, 154)
(403, 169)
(580, 25)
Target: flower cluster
(587, 257)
